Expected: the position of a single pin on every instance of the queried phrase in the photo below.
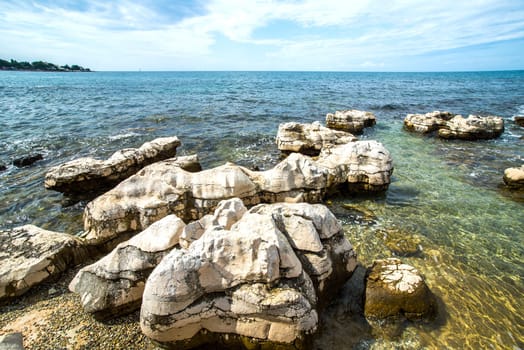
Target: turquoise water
(446, 198)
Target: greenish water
(469, 238)
(446, 200)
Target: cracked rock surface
(31, 255)
(89, 174)
(161, 189)
(309, 139)
(394, 289)
(353, 121)
(259, 281)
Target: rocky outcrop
(514, 177)
(27, 160)
(88, 174)
(114, 284)
(426, 123)
(451, 126)
(473, 127)
(352, 121)
(161, 189)
(259, 283)
(309, 138)
(30, 255)
(397, 290)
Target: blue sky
(332, 35)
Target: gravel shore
(51, 317)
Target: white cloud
(330, 33)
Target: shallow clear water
(446, 197)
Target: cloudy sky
(333, 35)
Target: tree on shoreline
(40, 66)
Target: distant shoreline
(39, 66)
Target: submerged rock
(2, 167)
(31, 255)
(27, 160)
(259, 283)
(161, 189)
(426, 123)
(472, 128)
(309, 138)
(514, 177)
(394, 290)
(89, 174)
(401, 243)
(352, 121)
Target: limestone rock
(12, 341)
(30, 255)
(472, 128)
(161, 189)
(258, 281)
(426, 123)
(27, 160)
(114, 284)
(394, 289)
(514, 177)
(519, 120)
(309, 138)
(352, 121)
(88, 174)
(362, 166)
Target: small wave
(123, 136)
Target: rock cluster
(309, 139)
(394, 289)
(161, 189)
(261, 281)
(88, 174)
(353, 121)
(30, 255)
(514, 177)
(451, 126)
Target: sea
(446, 199)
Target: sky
(292, 35)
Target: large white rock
(161, 189)
(114, 284)
(426, 123)
(31, 255)
(473, 127)
(514, 177)
(88, 174)
(353, 121)
(309, 138)
(258, 280)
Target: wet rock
(161, 189)
(427, 123)
(519, 120)
(31, 255)
(12, 341)
(2, 167)
(472, 128)
(352, 121)
(89, 174)
(394, 290)
(27, 160)
(114, 284)
(309, 138)
(514, 177)
(258, 284)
